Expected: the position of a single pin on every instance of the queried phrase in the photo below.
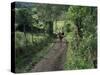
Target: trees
(50, 14)
(24, 20)
(84, 19)
(77, 22)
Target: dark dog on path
(61, 36)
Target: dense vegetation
(82, 37)
(37, 26)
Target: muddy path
(54, 60)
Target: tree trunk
(32, 37)
(78, 25)
(25, 36)
(50, 27)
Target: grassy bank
(27, 55)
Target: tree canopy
(37, 25)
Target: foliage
(36, 24)
(25, 54)
(84, 40)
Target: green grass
(75, 58)
(40, 55)
(27, 54)
(69, 64)
(20, 39)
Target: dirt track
(54, 60)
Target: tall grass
(26, 49)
